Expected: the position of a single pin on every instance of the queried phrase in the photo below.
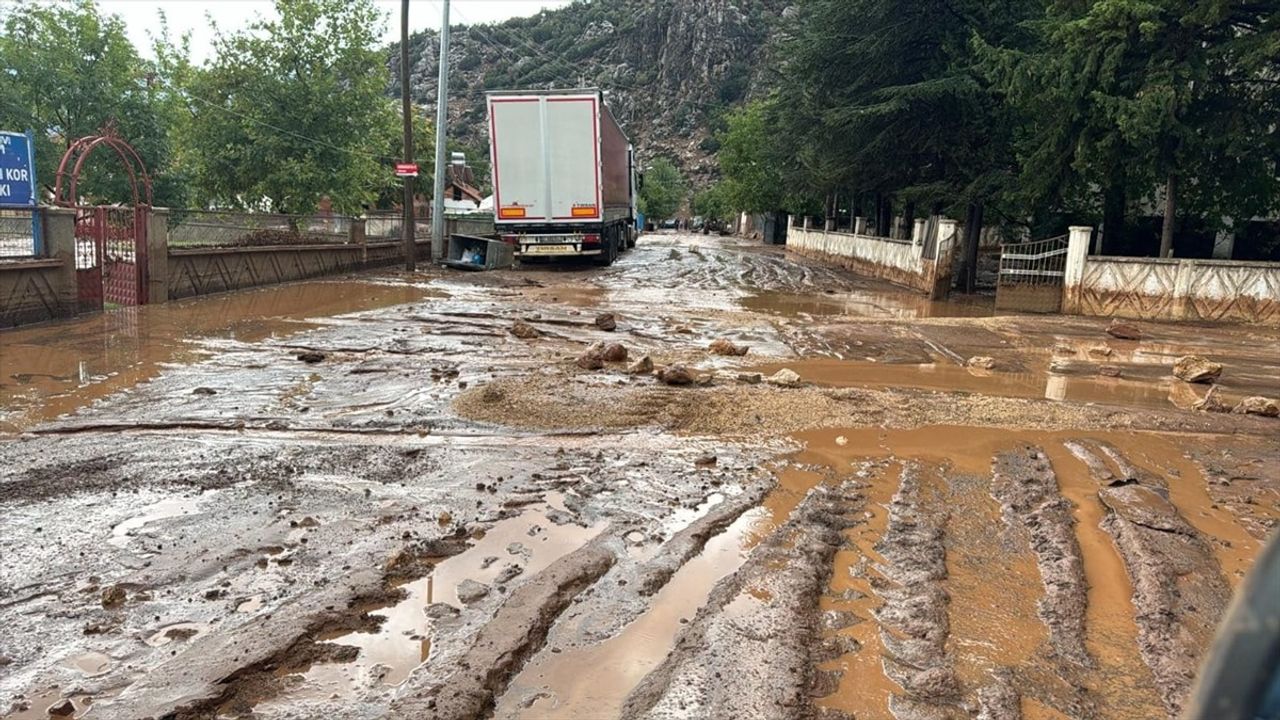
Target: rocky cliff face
(670, 67)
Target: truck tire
(609, 252)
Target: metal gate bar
(1030, 277)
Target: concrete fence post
(859, 226)
(1078, 237)
(356, 235)
(940, 270)
(60, 243)
(829, 224)
(807, 221)
(158, 255)
(1181, 306)
(917, 232)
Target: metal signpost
(18, 180)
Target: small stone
(643, 366)
(750, 378)
(311, 357)
(606, 322)
(308, 522)
(440, 611)
(1064, 349)
(508, 573)
(1196, 369)
(1124, 330)
(1100, 351)
(675, 375)
(982, 362)
(1258, 405)
(705, 461)
(66, 708)
(614, 352)
(786, 377)
(470, 591)
(723, 346)
(524, 330)
(842, 441)
(113, 596)
(1109, 371)
(204, 391)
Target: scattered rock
(750, 378)
(722, 346)
(704, 380)
(1064, 349)
(684, 329)
(705, 461)
(1210, 403)
(308, 522)
(675, 375)
(524, 330)
(982, 362)
(1124, 330)
(440, 611)
(66, 708)
(786, 377)
(1109, 371)
(592, 358)
(1196, 369)
(1258, 405)
(204, 391)
(1100, 351)
(842, 441)
(643, 366)
(614, 352)
(470, 591)
(606, 322)
(310, 357)
(508, 573)
(113, 596)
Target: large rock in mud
(675, 375)
(470, 591)
(643, 366)
(1258, 405)
(524, 330)
(1196, 369)
(786, 377)
(592, 358)
(607, 322)
(982, 362)
(1124, 330)
(723, 346)
(614, 352)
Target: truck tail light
(591, 239)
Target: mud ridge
(913, 620)
(1025, 486)
(465, 689)
(1179, 592)
(747, 652)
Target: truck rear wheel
(609, 251)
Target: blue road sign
(17, 170)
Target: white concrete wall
(1169, 289)
(899, 254)
(898, 261)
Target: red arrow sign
(406, 170)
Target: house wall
(902, 262)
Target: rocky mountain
(670, 67)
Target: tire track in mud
(748, 652)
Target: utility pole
(438, 241)
(406, 108)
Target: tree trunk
(1170, 212)
(908, 220)
(829, 212)
(884, 223)
(972, 234)
(1113, 203)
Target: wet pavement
(332, 498)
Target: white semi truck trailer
(564, 181)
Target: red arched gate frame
(111, 240)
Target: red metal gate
(111, 256)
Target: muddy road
(404, 496)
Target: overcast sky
(141, 16)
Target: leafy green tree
(664, 190)
(292, 109)
(70, 72)
(752, 176)
(712, 203)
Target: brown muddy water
(866, 304)
(50, 370)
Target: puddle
(50, 370)
(403, 642)
(123, 532)
(865, 304)
(40, 703)
(89, 664)
(177, 632)
(594, 680)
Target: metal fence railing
(17, 233)
(385, 225)
(222, 228)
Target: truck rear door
(545, 158)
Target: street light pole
(406, 108)
(438, 241)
